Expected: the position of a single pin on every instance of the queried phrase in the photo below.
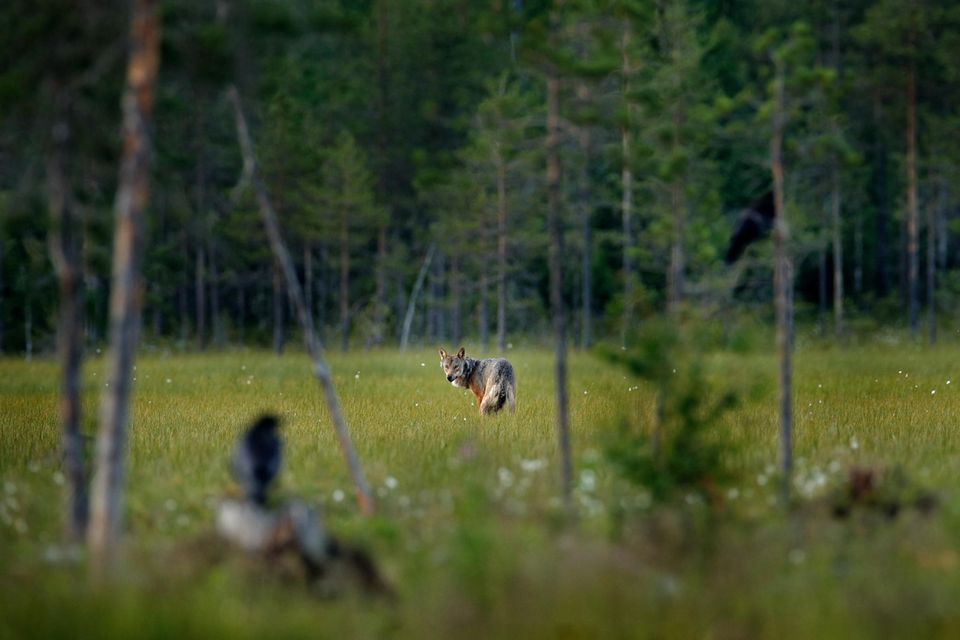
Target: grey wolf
(491, 380)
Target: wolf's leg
(490, 403)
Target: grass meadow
(470, 529)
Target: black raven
(257, 458)
(753, 225)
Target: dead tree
(251, 175)
(126, 297)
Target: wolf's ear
(461, 353)
(443, 354)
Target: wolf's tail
(508, 398)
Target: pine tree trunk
(200, 288)
(835, 207)
(626, 205)
(65, 252)
(483, 318)
(858, 256)
(882, 256)
(556, 286)
(586, 232)
(344, 283)
(216, 318)
(931, 273)
(783, 288)
(822, 288)
(28, 329)
(380, 297)
(126, 295)
(2, 298)
(456, 325)
(278, 319)
(913, 248)
(323, 294)
(675, 276)
(182, 292)
(501, 249)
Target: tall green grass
(469, 527)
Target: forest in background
(408, 137)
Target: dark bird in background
(755, 224)
(257, 458)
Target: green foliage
(683, 452)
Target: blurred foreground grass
(469, 527)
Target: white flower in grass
(169, 381)
(854, 443)
(733, 493)
(423, 364)
(170, 504)
(588, 480)
(531, 466)
(58, 478)
(933, 392)
(391, 482)
(356, 376)
(762, 479)
(505, 477)
(796, 556)
(337, 495)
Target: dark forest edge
(385, 128)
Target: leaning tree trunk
(320, 369)
(913, 247)
(556, 286)
(126, 296)
(65, 239)
(783, 285)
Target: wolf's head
(455, 367)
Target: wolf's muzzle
(449, 378)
